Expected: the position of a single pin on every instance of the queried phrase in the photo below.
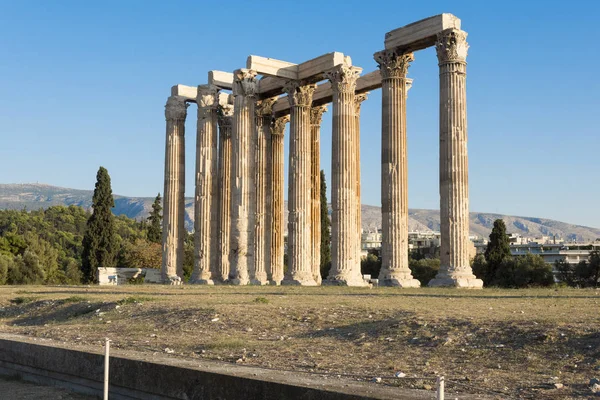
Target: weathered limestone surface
(324, 93)
(242, 184)
(205, 200)
(420, 34)
(299, 189)
(262, 250)
(275, 272)
(394, 170)
(311, 70)
(220, 79)
(187, 93)
(316, 116)
(225, 123)
(345, 267)
(358, 99)
(173, 203)
(455, 269)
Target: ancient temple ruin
(238, 228)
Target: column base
(461, 282)
(259, 282)
(345, 281)
(201, 279)
(299, 279)
(239, 281)
(274, 282)
(397, 278)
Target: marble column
(275, 272)
(242, 182)
(316, 116)
(394, 170)
(299, 189)
(358, 99)
(455, 269)
(205, 200)
(225, 120)
(262, 250)
(345, 267)
(174, 191)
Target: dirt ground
(19, 390)
(530, 344)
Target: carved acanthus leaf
(343, 78)
(245, 83)
(225, 119)
(264, 107)
(316, 114)
(279, 125)
(452, 46)
(176, 108)
(358, 99)
(393, 64)
(208, 96)
(299, 94)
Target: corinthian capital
(316, 114)
(299, 94)
(225, 118)
(343, 78)
(279, 125)
(245, 83)
(208, 97)
(358, 99)
(452, 46)
(176, 108)
(392, 64)
(264, 108)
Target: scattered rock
(558, 385)
(169, 351)
(214, 320)
(376, 380)
(595, 385)
(399, 374)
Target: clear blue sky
(83, 84)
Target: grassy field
(511, 343)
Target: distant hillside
(34, 196)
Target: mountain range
(35, 196)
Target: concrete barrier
(132, 377)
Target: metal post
(106, 351)
(440, 388)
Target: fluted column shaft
(174, 190)
(275, 272)
(225, 121)
(358, 99)
(299, 189)
(345, 267)
(455, 268)
(395, 270)
(316, 116)
(242, 181)
(264, 115)
(205, 200)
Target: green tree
(325, 230)
(424, 269)
(529, 270)
(99, 241)
(155, 219)
(497, 251)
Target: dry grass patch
(517, 342)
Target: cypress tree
(99, 241)
(325, 230)
(155, 219)
(497, 251)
